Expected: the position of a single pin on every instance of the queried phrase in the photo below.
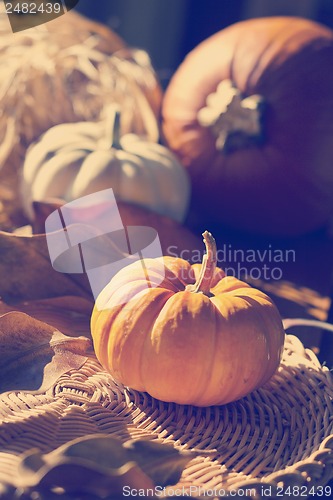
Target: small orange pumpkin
(191, 335)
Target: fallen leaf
(103, 465)
(71, 315)
(34, 355)
(171, 233)
(162, 462)
(27, 273)
(26, 270)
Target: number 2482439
(33, 7)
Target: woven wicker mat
(280, 434)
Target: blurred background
(169, 29)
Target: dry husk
(52, 76)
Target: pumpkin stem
(112, 129)
(235, 120)
(209, 261)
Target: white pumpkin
(73, 160)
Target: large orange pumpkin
(250, 114)
(186, 334)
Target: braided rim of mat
(279, 436)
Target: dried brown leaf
(175, 238)
(103, 465)
(34, 354)
(25, 266)
(26, 271)
(71, 315)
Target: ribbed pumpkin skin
(181, 346)
(283, 186)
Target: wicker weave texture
(280, 435)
